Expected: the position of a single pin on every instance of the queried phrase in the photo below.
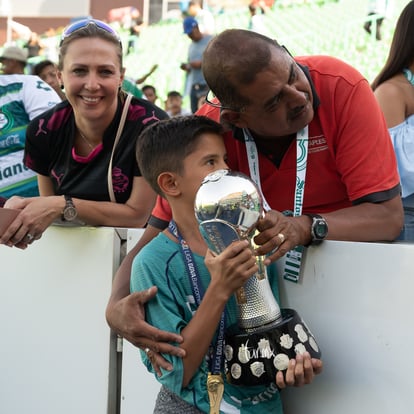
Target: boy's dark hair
(145, 87)
(174, 94)
(164, 145)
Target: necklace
(85, 139)
(409, 75)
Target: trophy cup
(228, 205)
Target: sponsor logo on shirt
(317, 144)
(12, 169)
(6, 121)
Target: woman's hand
(37, 213)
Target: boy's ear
(233, 118)
(168, 184)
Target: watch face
(70, 213)
(320, 229)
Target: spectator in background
(47, 71)
(50, 42)
(196, 83)
(377, 8)
(34, 45)
(256, 21)
(174, 103)
(394, 90)
(14, 60)
(22, 98)
(150, 93)
(131, 86)
(205, 18)
(143, 78)
(135, 25)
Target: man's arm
(363, 222)
(125, 312)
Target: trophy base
(253, 357)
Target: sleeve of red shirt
(210, 111)
(161, 214)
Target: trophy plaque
(228, 205)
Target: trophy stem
(256, 304)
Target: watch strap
(68, 205)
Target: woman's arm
(39, 212)
(134, 213)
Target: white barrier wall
(358, 300)
(57, 354)
(55, 344)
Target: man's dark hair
(37, 69)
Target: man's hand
(301, 371)
(279, 234)
(128, 314)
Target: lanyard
(217, 351)
(294, 256)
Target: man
(174, 104)
(13, 60)
(204, 17)
(196, 83)
(47, 71)
(150, 93)
(276, 107)
(377, 12)
(22, 98)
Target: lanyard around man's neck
(293, 257)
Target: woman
(70, 146)
(394, 90)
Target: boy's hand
(301, 371)
(231, 269)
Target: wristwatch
(319, 229)
(69, 212)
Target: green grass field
(333, 28)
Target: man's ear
(233, 118)
(168, 184)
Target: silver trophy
(228, 206)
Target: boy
(174, 156)
(174, 103)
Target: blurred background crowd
(358, 32)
